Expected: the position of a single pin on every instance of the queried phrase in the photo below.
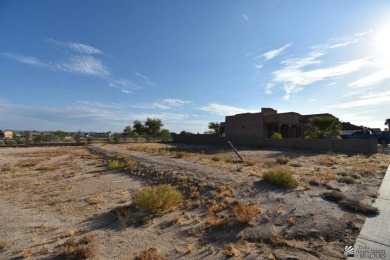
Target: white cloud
(312, 100)
(77, 47)
(259, 66)
(245, 17)
(272, 54)
(145, 78)
(24, 59)
(222, 110)
(268, 89)
(86, 65)
(371, 99)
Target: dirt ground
(50, 195)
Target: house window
(251, 126)
(242, 126)
(258, 126)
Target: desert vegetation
(160, 201)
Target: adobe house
(6, 134)
(263, 124)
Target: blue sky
(100, 65)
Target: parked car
(383, 139)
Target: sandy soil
(48, 195)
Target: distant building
(348, 128)
(265, 123)
(100, 135)
(6, 134)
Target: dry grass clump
(93, 199)
(328, 175)
(364, 167)
(281, 178)
(163, 151)
(231, 250)
(150, 254)
(214, 221)
(282, 159)
(114, 165)
(215, 159)
(28, 253)
(5, 245)
(158, 199)
(325, 160)
(130, 165)
(182, 154)
(85, 248)
(245, 213)
(49, 167)
(250, 163)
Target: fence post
(234, 149)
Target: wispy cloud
(86, 65)
(268, 89)
(145, 78)
(245, 17)
(342, 41)
(77, 47)
(371, 79)
(24, 59)
(273, 53)
(222, 110)
(370, 99)
(165, 104)
(294, 77)
(126, 86)
(259, 66)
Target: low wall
(363, 146)
(41, 145)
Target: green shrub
(276, 135)
(157, 199)
(281, 178)
(215, 159)
(114, 165)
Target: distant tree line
(152, 127)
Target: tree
(153, 126)
(138, 127)
(387, 122)
(185, 133)
(323, 128)
(165, 134)
(215, 128)
(128, 130)
(61, 134)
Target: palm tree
(387, 122)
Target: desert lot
(64, 202)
